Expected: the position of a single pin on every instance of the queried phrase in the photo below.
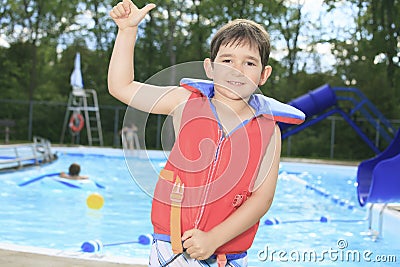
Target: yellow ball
(95, 201)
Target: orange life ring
(76, 122)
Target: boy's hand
(126, 14)
(198, 244)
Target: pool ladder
(17, 156)
(376, 234)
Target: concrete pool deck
(24, 256)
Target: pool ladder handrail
(376, 234)
(40, 153)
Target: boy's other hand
(126, 14)
(198, 244)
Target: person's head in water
(74, 169)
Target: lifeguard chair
(82, 100)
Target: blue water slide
(314, 102)
(326, 101)
(378, 178)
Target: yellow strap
(175, 216)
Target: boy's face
(237, 71)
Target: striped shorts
(161, 255)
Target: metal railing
(17, 156)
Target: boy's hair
(74, 169)
(242, 31)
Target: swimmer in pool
(73, 173)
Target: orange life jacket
(215, 171)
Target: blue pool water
(315, 213)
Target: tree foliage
(370, 59)
(44, 37)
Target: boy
(221, 174)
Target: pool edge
(15, 255)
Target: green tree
(35, 23)
(373, 48)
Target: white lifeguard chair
(82, 100)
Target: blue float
(77, 184)
(322, 219)
(93, 246)
(39, 178)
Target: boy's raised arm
(121, 84)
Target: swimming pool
(314, 215)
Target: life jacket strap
(175, 216)
(221, 260)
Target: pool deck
(22, 256)
(321, 161)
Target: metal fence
(337, 125)
(47, 121)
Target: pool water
(315, 211)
